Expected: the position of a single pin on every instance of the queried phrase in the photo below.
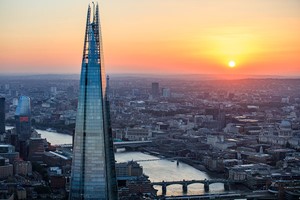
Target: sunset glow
(183, 37)
(231, 64)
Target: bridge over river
(123, 144)
(185, 183)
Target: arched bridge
(185, 184)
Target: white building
(137, 134)
(280, 135)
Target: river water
(166, 170)
(158, 170)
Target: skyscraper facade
(23, 118)
(93, 165)
(166, 92)
(155, 89)
(2, 115)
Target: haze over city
(201, 100)
(154, 37)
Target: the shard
(93, 166)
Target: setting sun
(231, 64)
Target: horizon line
(170, 75)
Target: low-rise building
(22, 168)
(254, 176)
(137, 134)
(8, 151)
(6, 169)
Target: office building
(23, 117)
(2, 115)
(36, 149)
(155, 89)
(166, 92)
(93, 166)
(23, 168)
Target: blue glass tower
(23, 118)
(93, 166)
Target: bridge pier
(206, 186)
(164, 189)
(184, 187)
(226, 186)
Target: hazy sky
(154, 36)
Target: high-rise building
(166, 92)
(155, 89)
(2, 115)
(93, 166)
(108, 92)
(23, 117)
(6, 86)
(53, 90)
(36, 148)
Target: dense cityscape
(202, 100)
(245, 133)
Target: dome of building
(285, 124)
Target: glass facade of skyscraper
(93, 168)
(23, 118)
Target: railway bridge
(185, 184)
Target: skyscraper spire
(93, 166)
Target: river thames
(158, 170)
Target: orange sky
(154, 36)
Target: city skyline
(147, 37)
(202, 100)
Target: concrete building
(56, 159)
(255, 176)
(6, 169)
(8, 151)
(137, 134)
(166, 92)
(132, 181)
(279, 135)
(23, 168)
(21, 193)
(36, 148)
(130, 168)
(155, 89)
